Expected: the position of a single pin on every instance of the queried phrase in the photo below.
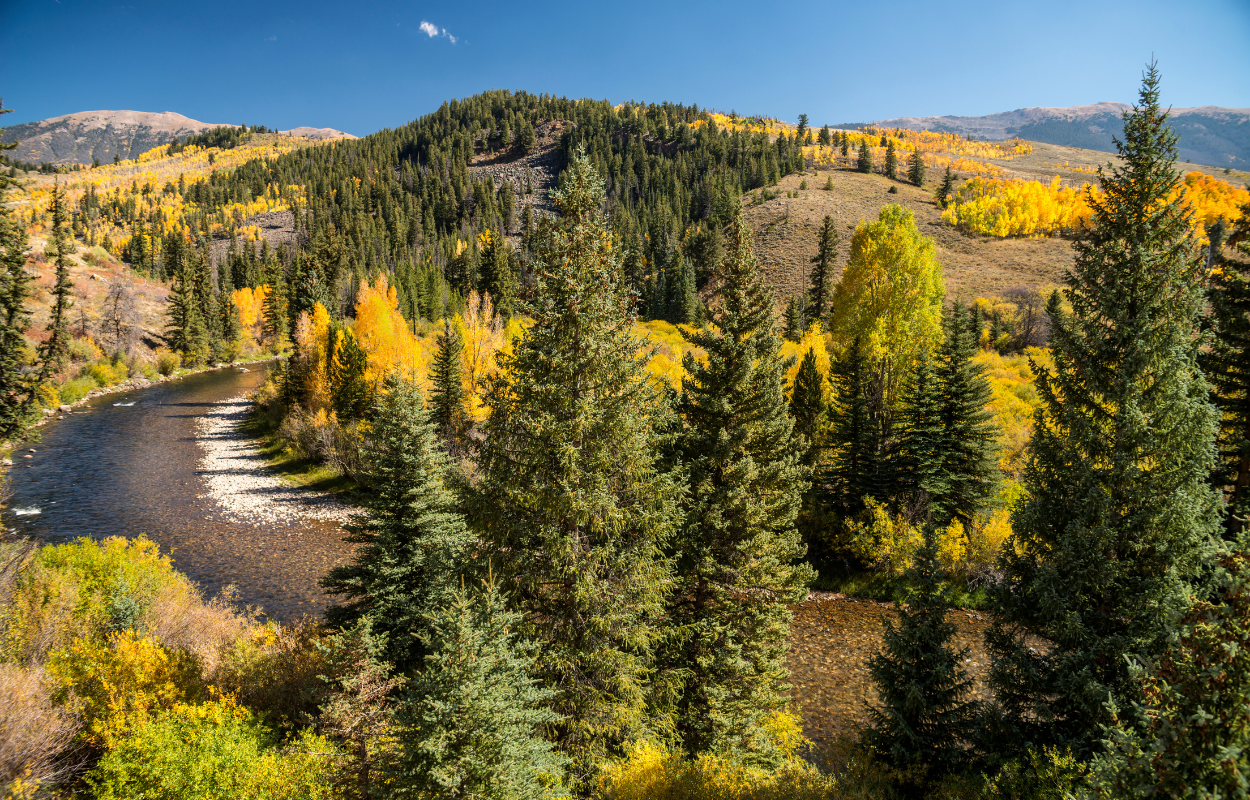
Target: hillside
(1211, 135)
(79, 138)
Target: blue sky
(361, 66)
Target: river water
(127, 464)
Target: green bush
(167, 361)
(213, 750)
(105, 373)
(76, 389)
(84, 349)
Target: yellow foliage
(483, 336)
(889, 543)
(383, 335)
(118, 683)
(312, 334)
(652, 772)
(670, 348)
(1015, 400)
(814, 339)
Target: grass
(869, 585)
(289, 466)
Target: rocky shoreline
(239, 482)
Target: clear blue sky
(362, 65)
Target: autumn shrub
(275, 670)
(105, 373)
(888, 543)
(82, 590)
(76, 389)
(213, 750)
(115, 684)
(167, 361)
(35, 734)
(652, 772)
(83, 349)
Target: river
(128, 464)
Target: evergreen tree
(860, 463)
(823, 137)
(186, 332)
(54, 352)
(1227, 365)
(230, 322)
(413, 541)
(1118, 519)
(891, 161)
(348, 390)
(846, 144)
(970, 437)
(17, 394)
(498, 278)
(946, 188)
(807, 405)
(570, 497)
(739, 556)
(449, 407)
(923, 714)
(794, 320)
(915, 168)
(471, 721)
(683, 301)
(822, 270)
(1196, 741)
(274, 309)
(864, 162)
(923, 446)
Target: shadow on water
(110, 470)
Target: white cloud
(431, 30)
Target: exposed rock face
(78, 138)
(1211, 135)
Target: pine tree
(970, 437)
(1118, 519)
(448, 406)
(946, 188)
(823, 136)
(923, 715)
(1227, 365)
(570, 498)
(739, 556)
(794, 320)
(923, 446)
(471, 722)
(498, 279)
(860, 463)
(54, 351)
(846, 144)
(864, 162)
(683, 297)
(807, 405)
(230, 324)
(348, 390)
(822, 271)
(891, 161)
(17, 393)
(274, 310)
(915, 168)
(413, 541)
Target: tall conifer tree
(915, 168)
(864, 162)
(1119, 518)
(54, 351)
(891, 160)
(16, 391)
(570, 498)
(414, 543)
(739, 562)
(821, 281)
(448, 406)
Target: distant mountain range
(78, 138)
(1209, 135)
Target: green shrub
(84, 349)
(167, 361)
(76, 389)
(105, 373)
(213, 750)
(81, 590)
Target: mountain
(1211, 135)
(78, 138)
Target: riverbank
(238, 479)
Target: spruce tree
(946, 188)
(739, 557)
(794, 320)
(1227, 365)
(807, 405)
(864, 162)
(1119, 519)
(570, 498)
(821, 281)
(498, 278)
(413, 541)
(274, 309)
(915, 168)
(923, 715)
(923, 446)
(54, 352)
(348, 390)
(970, 437)
(471, 721)
(846, 144)
(891, 161)
(17, 393)
(859, 463)
(448, 404)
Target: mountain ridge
(1211, 135)
(85, 135)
